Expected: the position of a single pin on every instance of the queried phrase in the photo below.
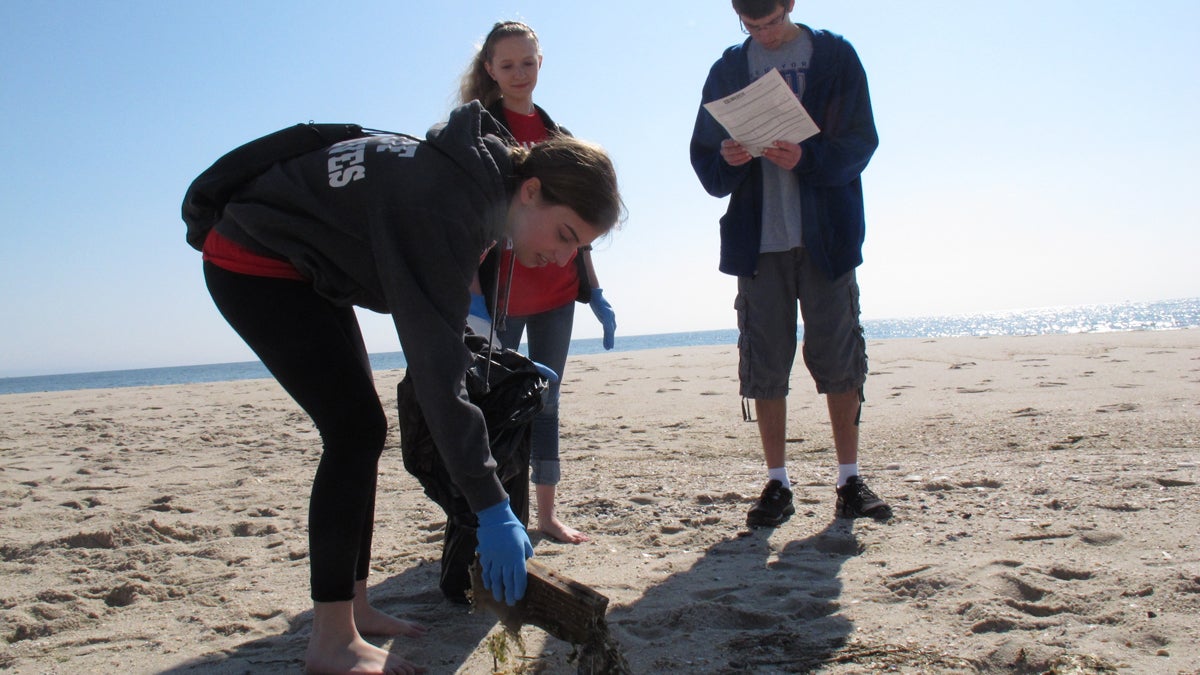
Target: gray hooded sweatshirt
(398, 225)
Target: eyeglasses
(759, 28)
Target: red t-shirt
(229, 255)
(536, 289)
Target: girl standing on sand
(397, 225)
(502, 76)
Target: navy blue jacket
(831, 202)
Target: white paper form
(764, 112)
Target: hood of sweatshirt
(480, 145)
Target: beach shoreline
(1175, 314)
(1045, 490)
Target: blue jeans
(549, 341)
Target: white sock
(779, 474)
(845, 471)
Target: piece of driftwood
(564, 608)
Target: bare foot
(336, 646)
(548, 521)
(359, 658)
(371, 621)
(555, 529)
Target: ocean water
(1165, 315)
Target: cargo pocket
(739, 306)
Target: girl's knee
(363, 432)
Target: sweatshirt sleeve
(838, 155)
(716, 175)
(426, 261)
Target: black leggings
(315, 350)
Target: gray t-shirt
(781, 192)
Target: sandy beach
(1045, 491)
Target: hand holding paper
(762, 113)
(784, 154)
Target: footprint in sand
(1101, 538)
(915, 584)
(1070, 574)
(727, 498)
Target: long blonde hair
(476, 84)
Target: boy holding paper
(793, 233)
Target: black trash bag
(508, 388)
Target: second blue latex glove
(546, 371)
(503, 547)
(608, 318)
(479, 320)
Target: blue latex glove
(479, 320)
(503, 547)
(604, 312)
(546, 371)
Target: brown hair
(757, 9)
(476, 84)
(576, 174)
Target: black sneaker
(855, 500)
(773, 507)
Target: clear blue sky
(1033, 152)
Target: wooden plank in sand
(564, 608)
(561, 606)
